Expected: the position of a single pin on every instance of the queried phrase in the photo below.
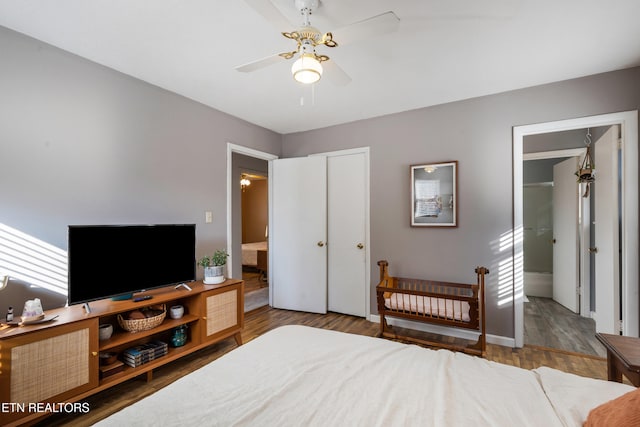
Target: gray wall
(18, 292)
(83, 144)
(575, 138)
(536, 171)
(478, 134)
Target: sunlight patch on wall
(25, 258)
(518, 279)
(510, 277)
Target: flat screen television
(115, 261)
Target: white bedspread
(302, 376)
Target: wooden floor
(549, 324)
(256, 290)
(264, 319)
(253, 281)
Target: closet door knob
(360, 245)
(320, 243)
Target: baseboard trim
(443, 330)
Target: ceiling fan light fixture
(307, 69)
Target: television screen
(115, 260)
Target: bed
(254, 256)
(458, 305)
(250, 253)
(298, 375)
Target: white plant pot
(214, 275)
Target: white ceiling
(443, 51)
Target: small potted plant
(214, 267)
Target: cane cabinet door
(223, 311)
(48, 365)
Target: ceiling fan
(308, 68)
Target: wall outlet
(208, 217)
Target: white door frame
(365, 151)
(584, 236)
(628, 121)
(607, 262)
(234, 148)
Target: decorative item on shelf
(587, 171)
(179, 337)
(108, 357)
(104, 331)
(214, 267)
(143, 319)
(176, 311)
(32, 311)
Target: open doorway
(556, 234)
(627, 123)
(255, 234)
(248, 213)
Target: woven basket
(137, 325)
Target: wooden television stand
(48, 365)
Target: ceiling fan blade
(384, 23)
(260, 63)
(335, 74)
(270, 13)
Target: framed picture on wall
(434, 195)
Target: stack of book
(144, 353)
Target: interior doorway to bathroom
(558, 241)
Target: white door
(347, 236)
(565, 234)
(298, 234)
(607, 272)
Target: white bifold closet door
(298, 234)
(346, 231)
(318, 234)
